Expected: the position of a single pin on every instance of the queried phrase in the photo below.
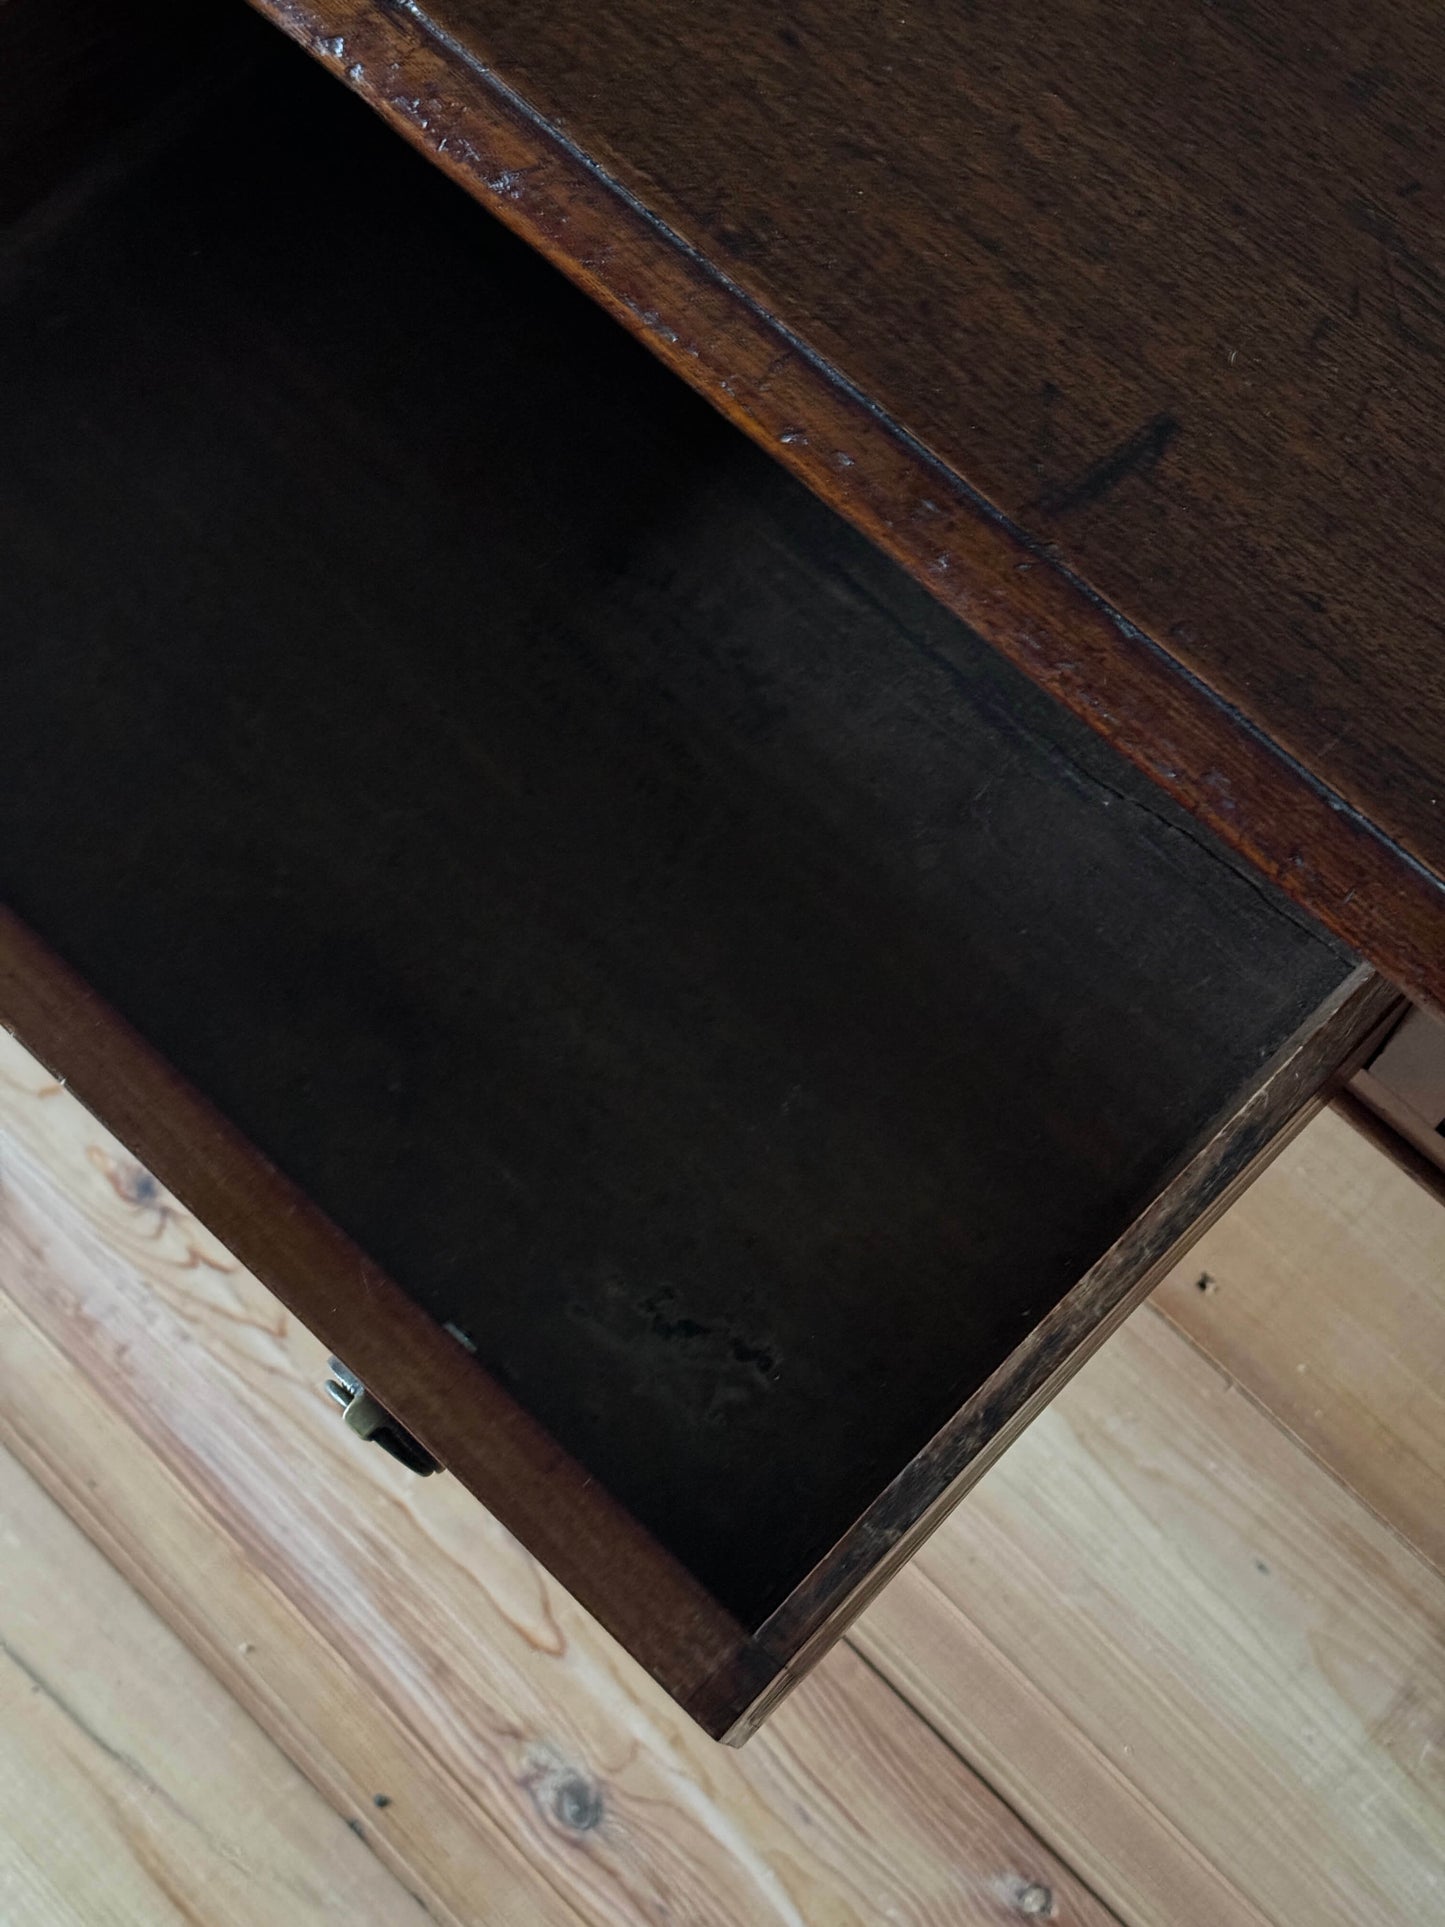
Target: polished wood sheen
(704, 1037)
(1123, 327)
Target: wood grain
(1126, 339)
(134, 1790)
(650, 930)
(474, 1429)
(1215, 1745)
(397, 1641)
(947, 1469)
(1322, 1293)
(1225, 1642)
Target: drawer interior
(681, 954)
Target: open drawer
(704, 1041)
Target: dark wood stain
(630, 1583)
(587, 893)
(1134, 456)
(870, 247)
(926, 1490)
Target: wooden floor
(1180, 1659)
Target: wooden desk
(1123, 328)
(698, 1033)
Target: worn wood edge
(1156, 711)
(1291, 1089)
(590, 1543)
